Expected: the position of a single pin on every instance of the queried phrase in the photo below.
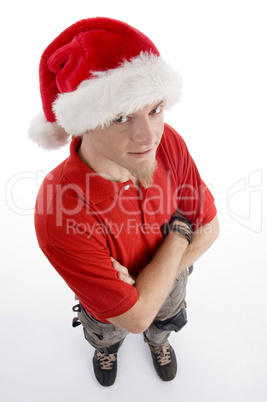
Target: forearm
(156, 279)
(154, 284)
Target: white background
(220, 49)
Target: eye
(121, 120)
(157, 110)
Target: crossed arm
(156, 279)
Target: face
(128, 145)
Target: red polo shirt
(82, 219)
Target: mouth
(140, 154)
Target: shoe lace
(163, 353)
(106, 361)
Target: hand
(123, 273)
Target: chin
(145, 174)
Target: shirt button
(127, 187)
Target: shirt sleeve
(194, 199)
(83, 261)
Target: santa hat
(94, 71)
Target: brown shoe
(164, 361)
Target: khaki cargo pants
(102, 335)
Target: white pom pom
(47, 135)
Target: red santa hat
(94, 71)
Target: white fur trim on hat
(99, 100)
(47, 135)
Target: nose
(143, 132)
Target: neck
(103, 167)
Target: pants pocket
(100, 334)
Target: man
(126, 214)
